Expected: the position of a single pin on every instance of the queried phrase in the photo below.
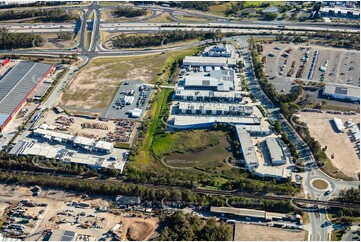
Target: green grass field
(221, 8)
(184, 141)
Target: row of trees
(129, 12)
(164, 37)
(187, 227)
(44, 15)
(201, 5)
(19, 40)
(351, 195)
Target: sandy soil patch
(138, 228)
(248, 232)
(338, 144)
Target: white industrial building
(215, 108)
(247, 149)
(275, 151)
(341, 92)
(62, 153)
(206, 95)
(202, 62)
(193, 121)
(273, 172)
(218, 51)
(77, 141)
(340, 12)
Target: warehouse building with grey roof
(17, 85)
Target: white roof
(103, 145)
(194, 120)
(208, 61)
(270, 171)
(83, 141)
(215, 106)
(339, 124)
(275, 149)
(253, 128)
(247, 147)
(345, 91)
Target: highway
(96, 49)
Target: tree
(270, 16)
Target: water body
(218, 152)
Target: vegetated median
(162, 38)
(19, 40)
(39, 15)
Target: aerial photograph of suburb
(179, 120)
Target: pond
(217, 152)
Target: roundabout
(320, 184)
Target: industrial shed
(342, 92)
(17, 85)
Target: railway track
(226, 193)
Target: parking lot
(287, 62)
(131, 95)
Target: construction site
(58, 215)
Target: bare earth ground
(76, 128)
(133, 228)
(52, 42)
(248, 232)
(109, 17)
(138, 229)
(339, 144)
(95, 86)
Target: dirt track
(247, 232)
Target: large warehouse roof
(344, 91)
(17, 84)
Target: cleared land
(338, 144)
(53, 42)
(135, 225)
(107, 15)
(95, 86)
(163, 18)
(248, 232)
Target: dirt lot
(342, 68)
(53, 42)
(248, 232)
(339, 144)
(59, 214)
(95, 86)
(126, 132)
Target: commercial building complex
(260, 216)
(47, 144)
(275, 151)
(209, 92)
(17, 85)
(341, 92)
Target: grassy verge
(87, 39)
(332, 171)
(336, 235)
